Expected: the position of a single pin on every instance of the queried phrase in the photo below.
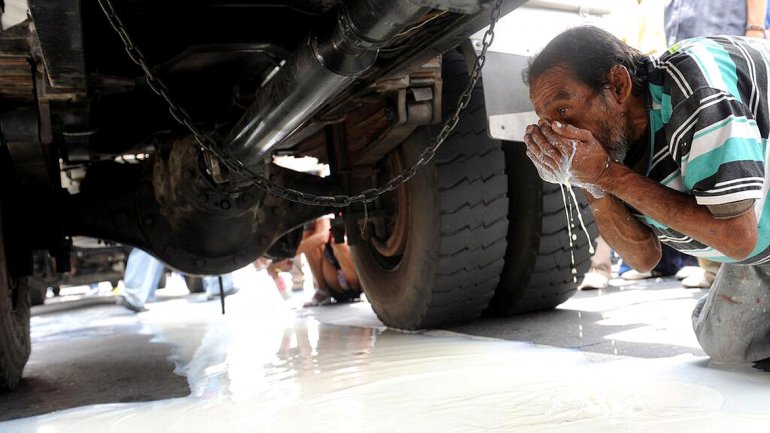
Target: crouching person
(671, 150)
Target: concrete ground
(602, 357)
(644, 319)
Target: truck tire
(441, 258)
(538, 267)
(37, 295)
(14, 322)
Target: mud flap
(518, 36)
(509, 109)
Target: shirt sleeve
(731, 210)
(716, 142)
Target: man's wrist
(590, 198)
(597, 203)
(756, 28)
(608, 180)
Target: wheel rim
(388, 242)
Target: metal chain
(238, 168)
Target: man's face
(556, 95)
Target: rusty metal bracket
(214, 168)
(411, 116)
(418, 103)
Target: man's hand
(566, 152)
(552, 160)
(588, 164)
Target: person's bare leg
(710, 268)
(315, 262)
(601, 261)
(599, 275)
(330, 277)
(312, 246)
(297, 275)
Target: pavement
(619, 359)
(645, 319)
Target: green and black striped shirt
(709, 126)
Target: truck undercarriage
(164, 117)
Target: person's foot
(687, 271)
(634, 275)
(594, 280)
(697, 281)
(123, 302)
(212, 296)
(320, 297)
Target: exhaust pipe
(324, 66)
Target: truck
(155, 124)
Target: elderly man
(668, 150)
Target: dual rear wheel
(475, 230)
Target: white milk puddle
(263, 368)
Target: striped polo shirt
(709, 126)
